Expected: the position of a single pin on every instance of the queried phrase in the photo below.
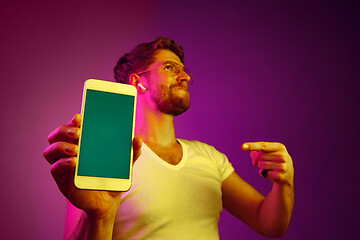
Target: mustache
(180, 85)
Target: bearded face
(173, 100)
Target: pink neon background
(264, 70)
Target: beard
(170, 102)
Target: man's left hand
(274, 158)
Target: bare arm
(276, 210)
(270, 215)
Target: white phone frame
(103, 183)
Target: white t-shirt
(180, 201)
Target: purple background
(265, 70)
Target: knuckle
(58, 146)
(53, 169)
(45, 152)
(56, 134)
(263, 146)
(65, 133)
(49, 137)
(282, 157)
(282, 168)
(277, 176)
(264, 165)
(63, 129)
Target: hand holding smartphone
(104, 160)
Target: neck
(154, 127)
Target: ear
(134, 79)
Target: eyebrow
(174, 62)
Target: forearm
(276, 210)
(91, 228)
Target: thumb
(137, 143)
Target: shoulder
(211, 154)
(194, 144)
(200, 147)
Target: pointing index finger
(262, 146)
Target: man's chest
(171, 155)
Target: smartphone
(105, 157)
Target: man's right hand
(61, 154)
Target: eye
(169, 67)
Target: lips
(180, 86)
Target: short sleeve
(224, 166)
(221, 161)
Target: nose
(184, 77)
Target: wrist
(105, 212)
(101, 224)
(285, 188)
(100, 227)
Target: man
(179, 187)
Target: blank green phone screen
(106, 135)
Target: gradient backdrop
(264, 70)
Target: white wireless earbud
(140, 85)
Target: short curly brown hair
(142, 56)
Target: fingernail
(69, 148)
(70, 160)
(245, 146)
(71, 131)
